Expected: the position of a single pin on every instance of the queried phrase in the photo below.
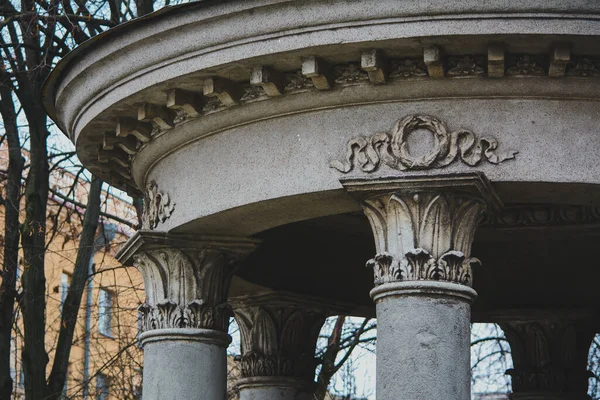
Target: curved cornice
(138, 62)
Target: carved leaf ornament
(418, 264)
(423, 236)
(183, 289)
(157, 207)
(278, 341)
(369, 153)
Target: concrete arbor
(315, 126)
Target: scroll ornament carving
(423, 236)
(278, 341)
(158, 207)
(391, 149)
(184, 289)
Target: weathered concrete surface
(275, 160)
(184, 364)
(423, 341)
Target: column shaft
(423, 344)
(185, 364)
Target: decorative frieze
(350, 74)
(186, 279)
(296, 82)
(466, 66)
(219, 94)
(158, 206)
(584, 67)
(279, 334)
(538, 215)
(526, 65)
(549, 357)
(252, 93)
(408, 68)
(391, 149)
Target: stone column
(185, 317)
(550, 354)
(423, 229)
(279, 333)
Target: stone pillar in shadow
(185, 318)
(279, 334)
(550, 354)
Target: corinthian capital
(186, 279)
(279, 333)
(550, 353)
(423, 226)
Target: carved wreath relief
(369, 153)
(157, 207)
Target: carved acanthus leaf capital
(186, 279)
(424, 226)
(279, 334)
(550, 355)
(392, 149)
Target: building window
(104, 312)
(65, 281)
(102, 386)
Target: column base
(181, 363)
(275, 388)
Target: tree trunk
(329, 367)
(144, 7)
(78, 282)
(10, 261)
(33, 235)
